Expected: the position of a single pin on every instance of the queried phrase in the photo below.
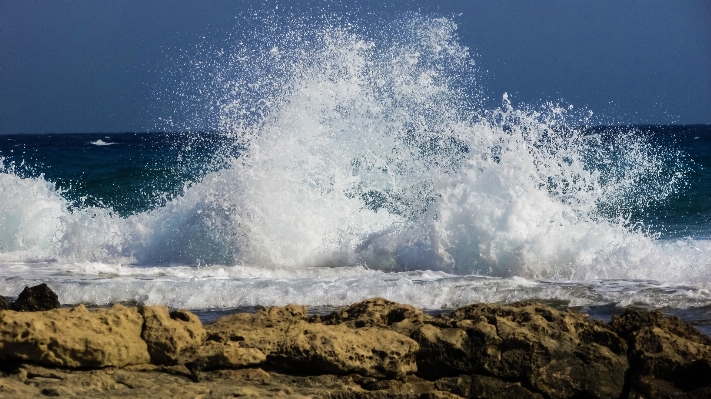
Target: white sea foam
(231, 287)
(367, 153)
(101, 142)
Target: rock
(372, 349)
(74, 337)
(557, 354)
(438, 395)
(316, 348)
(223, 355)
(484, 387)
(412, 386)
(102, 383)
(255, 375)
(3, 303)
(460, 385)
(668, 358)
(406, 386)
(167, 335)
(446, 351)
(378, 312)
(263, 330)
(289, 341)
(31, 381)
(35, 299)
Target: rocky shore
(371, 349)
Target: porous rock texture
(559, 354)
(74, 337)
(289, 341)
(169, 334)
(371, 349)
(668, 358)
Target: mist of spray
(373, 149)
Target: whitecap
(101, 142)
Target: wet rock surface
(35, 299)
(371, 349)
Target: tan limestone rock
(74, 337)
(372, 349)
(559, 354)
(169, 334)
(341, 350)
(222, 355)
(289, 341)
(33, 382)
(379, 312)
(263, 330)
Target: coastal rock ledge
(372, 349)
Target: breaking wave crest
(373, 149)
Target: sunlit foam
(370, 150)
(101, 142)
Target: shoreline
(597, 312)
(370, 349)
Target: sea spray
(372, 150)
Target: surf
(368, 148)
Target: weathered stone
(460, 385)
(35, 299)
(407, 386)
(147, 382)
(74, 337)
(252, 374)
(559, 354)
(34, 382)
(446, 351)
(263, 330)
(668, 358)
(290, 342)
(484, 387)
(378, 312)
(273, 316)
(412, 386)
(223, 355)
(367, 350)
(167, 335)
(438, 395)
(341, 350)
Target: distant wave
(100, 142)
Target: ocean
(331, 165)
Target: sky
(97, 66)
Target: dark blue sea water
(341, 166)
(127, 172)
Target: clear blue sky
(95, 66)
